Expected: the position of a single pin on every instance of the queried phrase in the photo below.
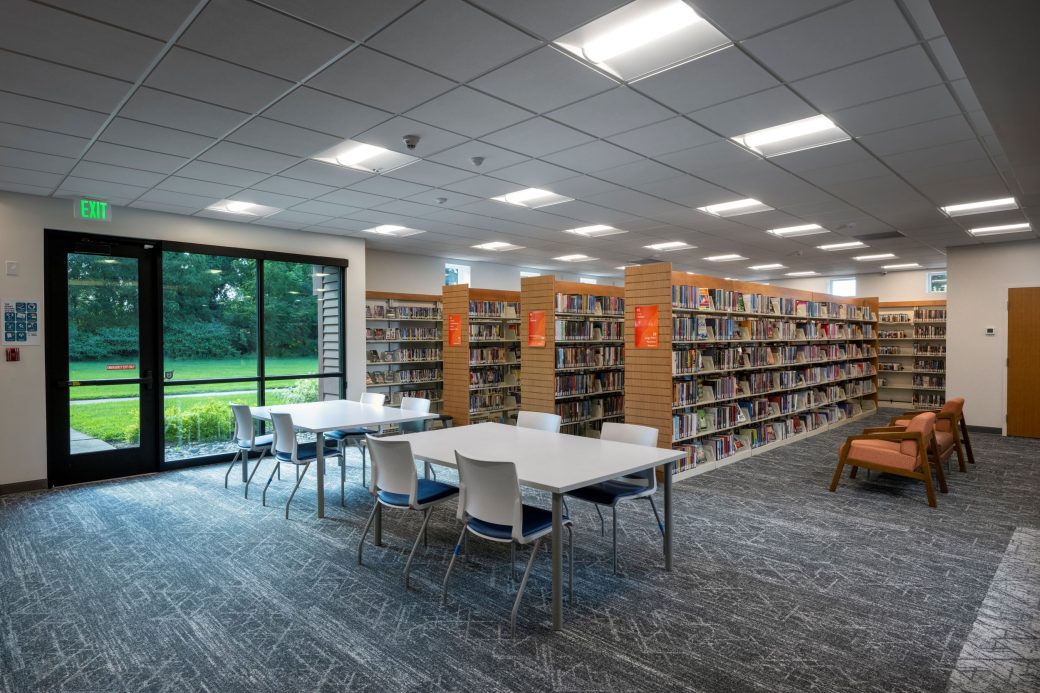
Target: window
(843, 287)
(525, 273)
(936, 283)
(587, 280)
(456, 274)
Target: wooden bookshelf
(403, 332)
(912, 353)
(495, 338)
(574, 373)
(794, 363)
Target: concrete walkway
(80, 442)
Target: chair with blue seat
(540, 421)
(492, 508)
(629, 487)
(247, 441)
(355, 437)
(288, 449)
(395, 484)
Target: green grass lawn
(185, 370)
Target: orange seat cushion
(944, 441)
(884, 453)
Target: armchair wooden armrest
(885, 429)
(915, 412)
(894, 436)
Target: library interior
(476, 345)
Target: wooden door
(1023, 372)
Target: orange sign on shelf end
(455, 330)
(536, 328)
(646, 327)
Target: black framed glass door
(102, 357)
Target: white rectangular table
(335, 415)
(553, 462)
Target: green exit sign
(95, 210)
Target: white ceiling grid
(193, 102)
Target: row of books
(891, 366)
(893, 334)
(929, 365)
(690, 361)
(432, 395)
(694, 298)
(929, 349)
(896, 317)
(589, 356)
(929, 314)
(589, 330)
(892, 350)
(571, 384)
(691, 328)
(929, 399)
(403, 376)
(493, 355)
(492, 330)
(402, 333)
(930, 381)
(930, 331)
(706, 390)
(588, 304)
(399, 355)
(491, 400)
(484, 377)
(494, 309)
(383, 312)
(572, 411)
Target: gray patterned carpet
(171, 583)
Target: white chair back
(244, 432)
(490, 492)
(376, 398)
(393, 467)
(284, 435)
(420, 405)
(539, 421)
(636, 435)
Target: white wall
(980, 277)
(894, 286)
(22, 221)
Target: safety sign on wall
(21, 322)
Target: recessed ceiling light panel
(995, 230)
(807, 273)
(770, 266)
(729, 257)
(532, 198)
(878, 256)
(800, 230)
(981, 207)
(902, 265)
(595, 231)
(843, 246)
(498, 246)
(735, 208)
(240, 208)
(393, 230)
(576, 257)
(795, 136)
(669, 246)
(364, 157)
(644, 37)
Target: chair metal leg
(364, 533)
(451, 563)
(278, 469)
(342, 480)
(263, 456)
(364, 466)
(277, 466)
(422, 532)
(602, 527)
(570, 566)
(613, 510)
(234, 461)
(299, 478)
(660, 525)
(426, 528)
(523, 584)
(566, 510)
(512, 561)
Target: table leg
(668, 515)
(245, 466)
(377, 530)
(557, 561)
(321, 473)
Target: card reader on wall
(991, 331)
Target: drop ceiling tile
(550, 19)
(593, 156)
(45, 32)
(208, 79)
(482, 187)
(537, 137)
(216, 173)
(468, 112)
(902, 71)
(254, 36)
(46, 115)
(845, 34)
(588, 214)
(35, 161)
(637, 203)
(163, 207)
(198, 187)
(116, 174)
(822, 157)
(107, 153)
(389, 136)
(673, 135)
(919, 106)
(21, 176)
(325, 174)
(924, 17)
(388, 187)
(250, 158)
(354, 198)
(379, 81)
(534, 174)
(843, 173)
(461, 156)
(406, 208)
(612, 112)
(707, 157)
(685, 190)
(169, 110)
(299, 219)
(638, 172)
(940, 155)
(948, 61)
(580, 187)
(169, 197)
(131, 133)
(323, 112)
(943, 131)
(356, 19)
(754, 112)
(344, 225)
(967, 95)
(325, 209)
(107, 191)
(544, 80)
(32, 77)
(260, 197)
(744, 19)
(453, 39)
(276, 223)
(158, 20)
(294, 187)
(282, 138)
(428, 173)
(21, 137)
(721, 76)
(442, 199)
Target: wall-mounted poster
(455, 330)
(21, 322)
(646, 327)
(536, 328)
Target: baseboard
(985, 429)
(34, 485)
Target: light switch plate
(12, 268)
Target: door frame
(1005, 345)
(61, 465)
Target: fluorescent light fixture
(498, 246)
(594, 231)
(623, 267)
(644, 37)
(669, 246)
(999, 205)
(240, 208)
(801, 230)
(808, 273)
(725, 258)
(364, 157)
(770, 266)
(902, 265)
(869, 258)
(843, 246)
(795, 136)
(735, 208)
(1003, 228)
(577, 257)
(532, 198)
(392, 230)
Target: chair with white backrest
(288, 449)
(492, 508)
(629, 487)
(247, 441)
(539, 421)
(354, 436)
(395, 484)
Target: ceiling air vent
(883, 236)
